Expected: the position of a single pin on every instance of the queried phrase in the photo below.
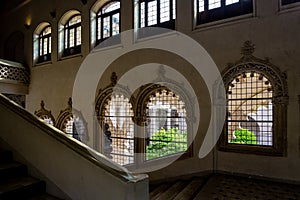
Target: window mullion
(205, 5)
(158, 11)
(146, 13)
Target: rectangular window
(201, 6)
(164, 10)
(214, 10)
(45, 46)
(286, 2)
(78, 36)
(152, 13)
(72, 38)
(228, 2)
(212, 4)
(174, 9)
(106, 27)
(142, 13)
(50, 45)
(116, 24)
(99, 34)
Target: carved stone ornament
(64, 116)
(104, 95)
(44, 113)
(248, 64)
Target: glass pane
(228, 2)
(47, 31)
(201, 6)
(72, 37)
(106, 27)
(250, 110)
(119, 130)
(66, 38)
(50, 50)
(99, 29)
(142, 13)
(214, 4)
(152, 13)
(164, 10)
(78, 35)
(174, 9)
(115, 24)
(45, 46)
(41, 46)
(111, 7)
(75, 20)
(166, 125)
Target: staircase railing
(15, 119)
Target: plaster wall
(274, 31)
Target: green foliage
(164, 143)
(244, 136)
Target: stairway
(182, 189)
(15, 183)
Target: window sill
(289, 8)
(252, 149)
(160, 33)
(225, 22)
(42, 63)
(70, 57)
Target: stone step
(158, 190)
(12, 170)
(22, 187)
(43, 197)
(172, 191)
(5, 156)
(191, 189)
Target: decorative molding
(247, 64)
(104, 95)
(14, 74)
(83, 2)
(64, 116)
(44, 113)
(53, 14)
(250, 63)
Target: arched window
(45, 44)
(161, 13)
(163, 125)
(166, 125)
(214, 10)
(45, 114)
(72, 36)
(108, 21)
(256, 106)
(115, 114)
(72, 123)
(42, 43)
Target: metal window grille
(118, 129)
(166, 126)
(250, 110)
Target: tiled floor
(223, 187)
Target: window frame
(76, 49)
(110, 15)
(249, 63)
(41, 38)
(224, 12)
(170, 24)
(139, 101)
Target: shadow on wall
(14, 47)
